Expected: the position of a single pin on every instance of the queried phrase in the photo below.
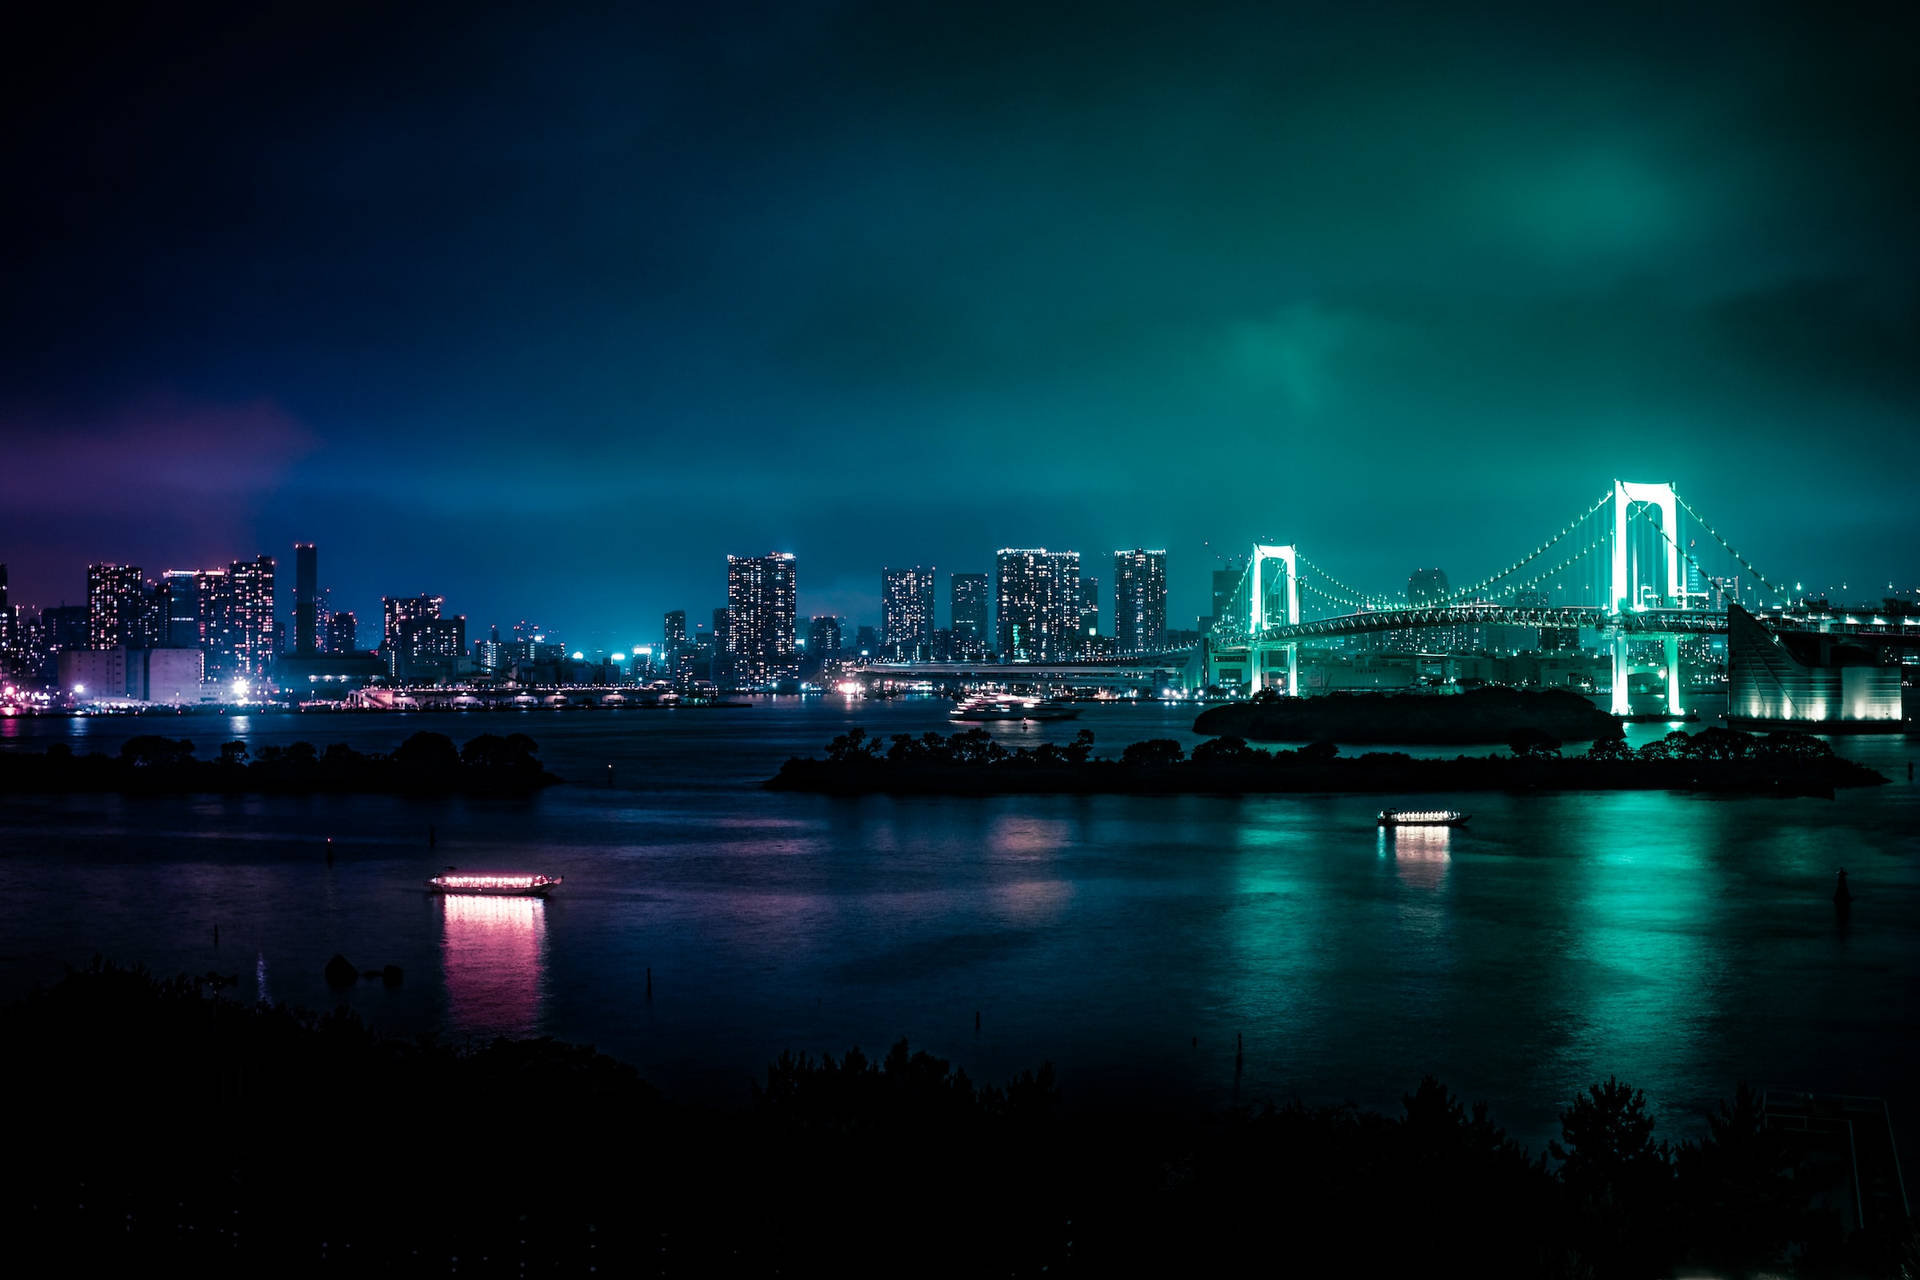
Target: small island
(1489, 715)
(425, 764)
(975, 764)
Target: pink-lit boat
(505, 884)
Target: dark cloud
(624, 290)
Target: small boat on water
(1003, 706)
(1423, 818)
(499, 885)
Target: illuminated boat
(1008, 707)
(506, 884)
(1423, 818)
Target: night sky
(548, 313)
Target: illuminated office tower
(1087, 622)
(1038, 603)
(1140, 600)
(113, 606)
(969, 605)
(676, 626)
(906, 610)
(306, 599)
(760, 618)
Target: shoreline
(972, 764)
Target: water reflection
(1420, 854)
(494, 953)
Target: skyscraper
(1087, 625)
(1038, 603)
(761, 613)
(400, 611)
(676, 626)
(254, 621)
(906, 610)
(182, 592)
(113, 606)
(969, 605)
(343, 632)
(1427, 589)
(823, 637)
(306, 599)
(236, 618)
(1140, 600)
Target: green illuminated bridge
(1632, 565)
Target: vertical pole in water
(1622, 702)
(1673, 677)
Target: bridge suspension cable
(1713, 533)
(1463, 593)
(1355, 597)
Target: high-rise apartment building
(114, 618)
(1038, 603)
(676, 626)
(306, 599)
(1140, 600)
(236, 618)
(400, 612)
(343, 632)
(760, 617)
(906, 610)
(969, 597)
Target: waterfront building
(113, 606)
(676, 626)
(969, 595)
(1037, 604)
(760, 619)
(906, 611)
(236, 618)
(1140, 600)
(1814, 683)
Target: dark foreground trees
(157, 1125)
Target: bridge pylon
(1628, 576)
(1260, 615)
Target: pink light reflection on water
(1420, 854)
(494, 953)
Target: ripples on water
(1682, 942)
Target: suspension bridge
(1627, 566)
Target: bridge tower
(1625, 582)
(1260, 614)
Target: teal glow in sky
(547, 314)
